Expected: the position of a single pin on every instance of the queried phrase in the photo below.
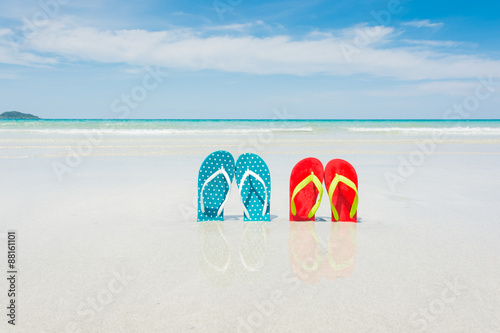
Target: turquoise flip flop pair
(214, 184)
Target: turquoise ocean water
(235, 127)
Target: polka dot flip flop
(254, 183)
(214, 182)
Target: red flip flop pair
(306, 185)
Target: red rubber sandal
(341, 183)
(306, 184)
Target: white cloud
(234, 27)
(317, 53)
(364, 34)
(5, 32)
(247, 28)
(423, 24)
(10, 52)
(445, 43)
(12, 57)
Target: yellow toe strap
(300, 186)
(342, 179)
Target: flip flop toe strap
(300, 186)
(242, 181)
(208, 180)
(342, 179)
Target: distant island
(17, 115)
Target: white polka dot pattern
(253, 193)
(215, 191)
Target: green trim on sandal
(300, 186)
(342, 179)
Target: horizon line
(256, 119)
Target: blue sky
(247, 59)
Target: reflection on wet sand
(311, 259)
(253, 249)
(215, 253)
(221, 261)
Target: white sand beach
(108, 241)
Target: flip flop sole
(343, 196)
(253, 192)
(306, 198)
(215, 191)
